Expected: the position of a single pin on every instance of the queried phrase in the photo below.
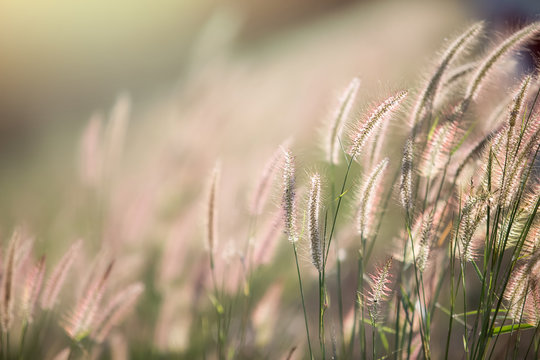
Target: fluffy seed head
(380, 114)
(473, 213)
(288, 200)
(518, 38)
(58, 277)
(314, 203)
(211, 234)
(381, 279)
(116, 310)
(7, 282)
(368, 198)
(79, 322)
(341, 115)
(438, 149)
(405, 187)
(425, 242)
(425, 100)
(517, 103)
(31, 290)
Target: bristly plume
(473, 213)
(425, 101)
(405, 187)
(32, 287)
(339, 117)
(379, 288)
(425, 241)
(368, 198)
(288, 201)
(116, 310)
(517, 103)
(522, 291)
(457, 74)
(477, 149)
(7, 282)
(58, 276)
(313, 214)
(211, 214)
(79, 322)
(380, 114)
(518, 38)
(438, 149)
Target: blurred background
(275, 68)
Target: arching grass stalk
(328, 243)
(338, 267)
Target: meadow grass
(459, 279)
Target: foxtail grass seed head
(517, 39)
(116, 310)
(339, 118)
(473, 213)
(7, 282)
(438, 149)
(425, 242)
(288, 200)
(380, 281)
(49, 297)
(517, 103)
(313, 214)
(405, 187)
(380, 114)
(425, 101)
(79, 322)
(211, 219)
(369, 197)
(32, 288)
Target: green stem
(303, 301)
(23, 335)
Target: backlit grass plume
(288, 199)
(50, 293)
(313, 215)
(368, 198)
(339, 118)
(7, 282)
(373, 121)
(211, 213)
(506, 46)
(406, 176)
(425, 100)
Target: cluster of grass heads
(460, 277)
(464, 279)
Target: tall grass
(456, 274)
